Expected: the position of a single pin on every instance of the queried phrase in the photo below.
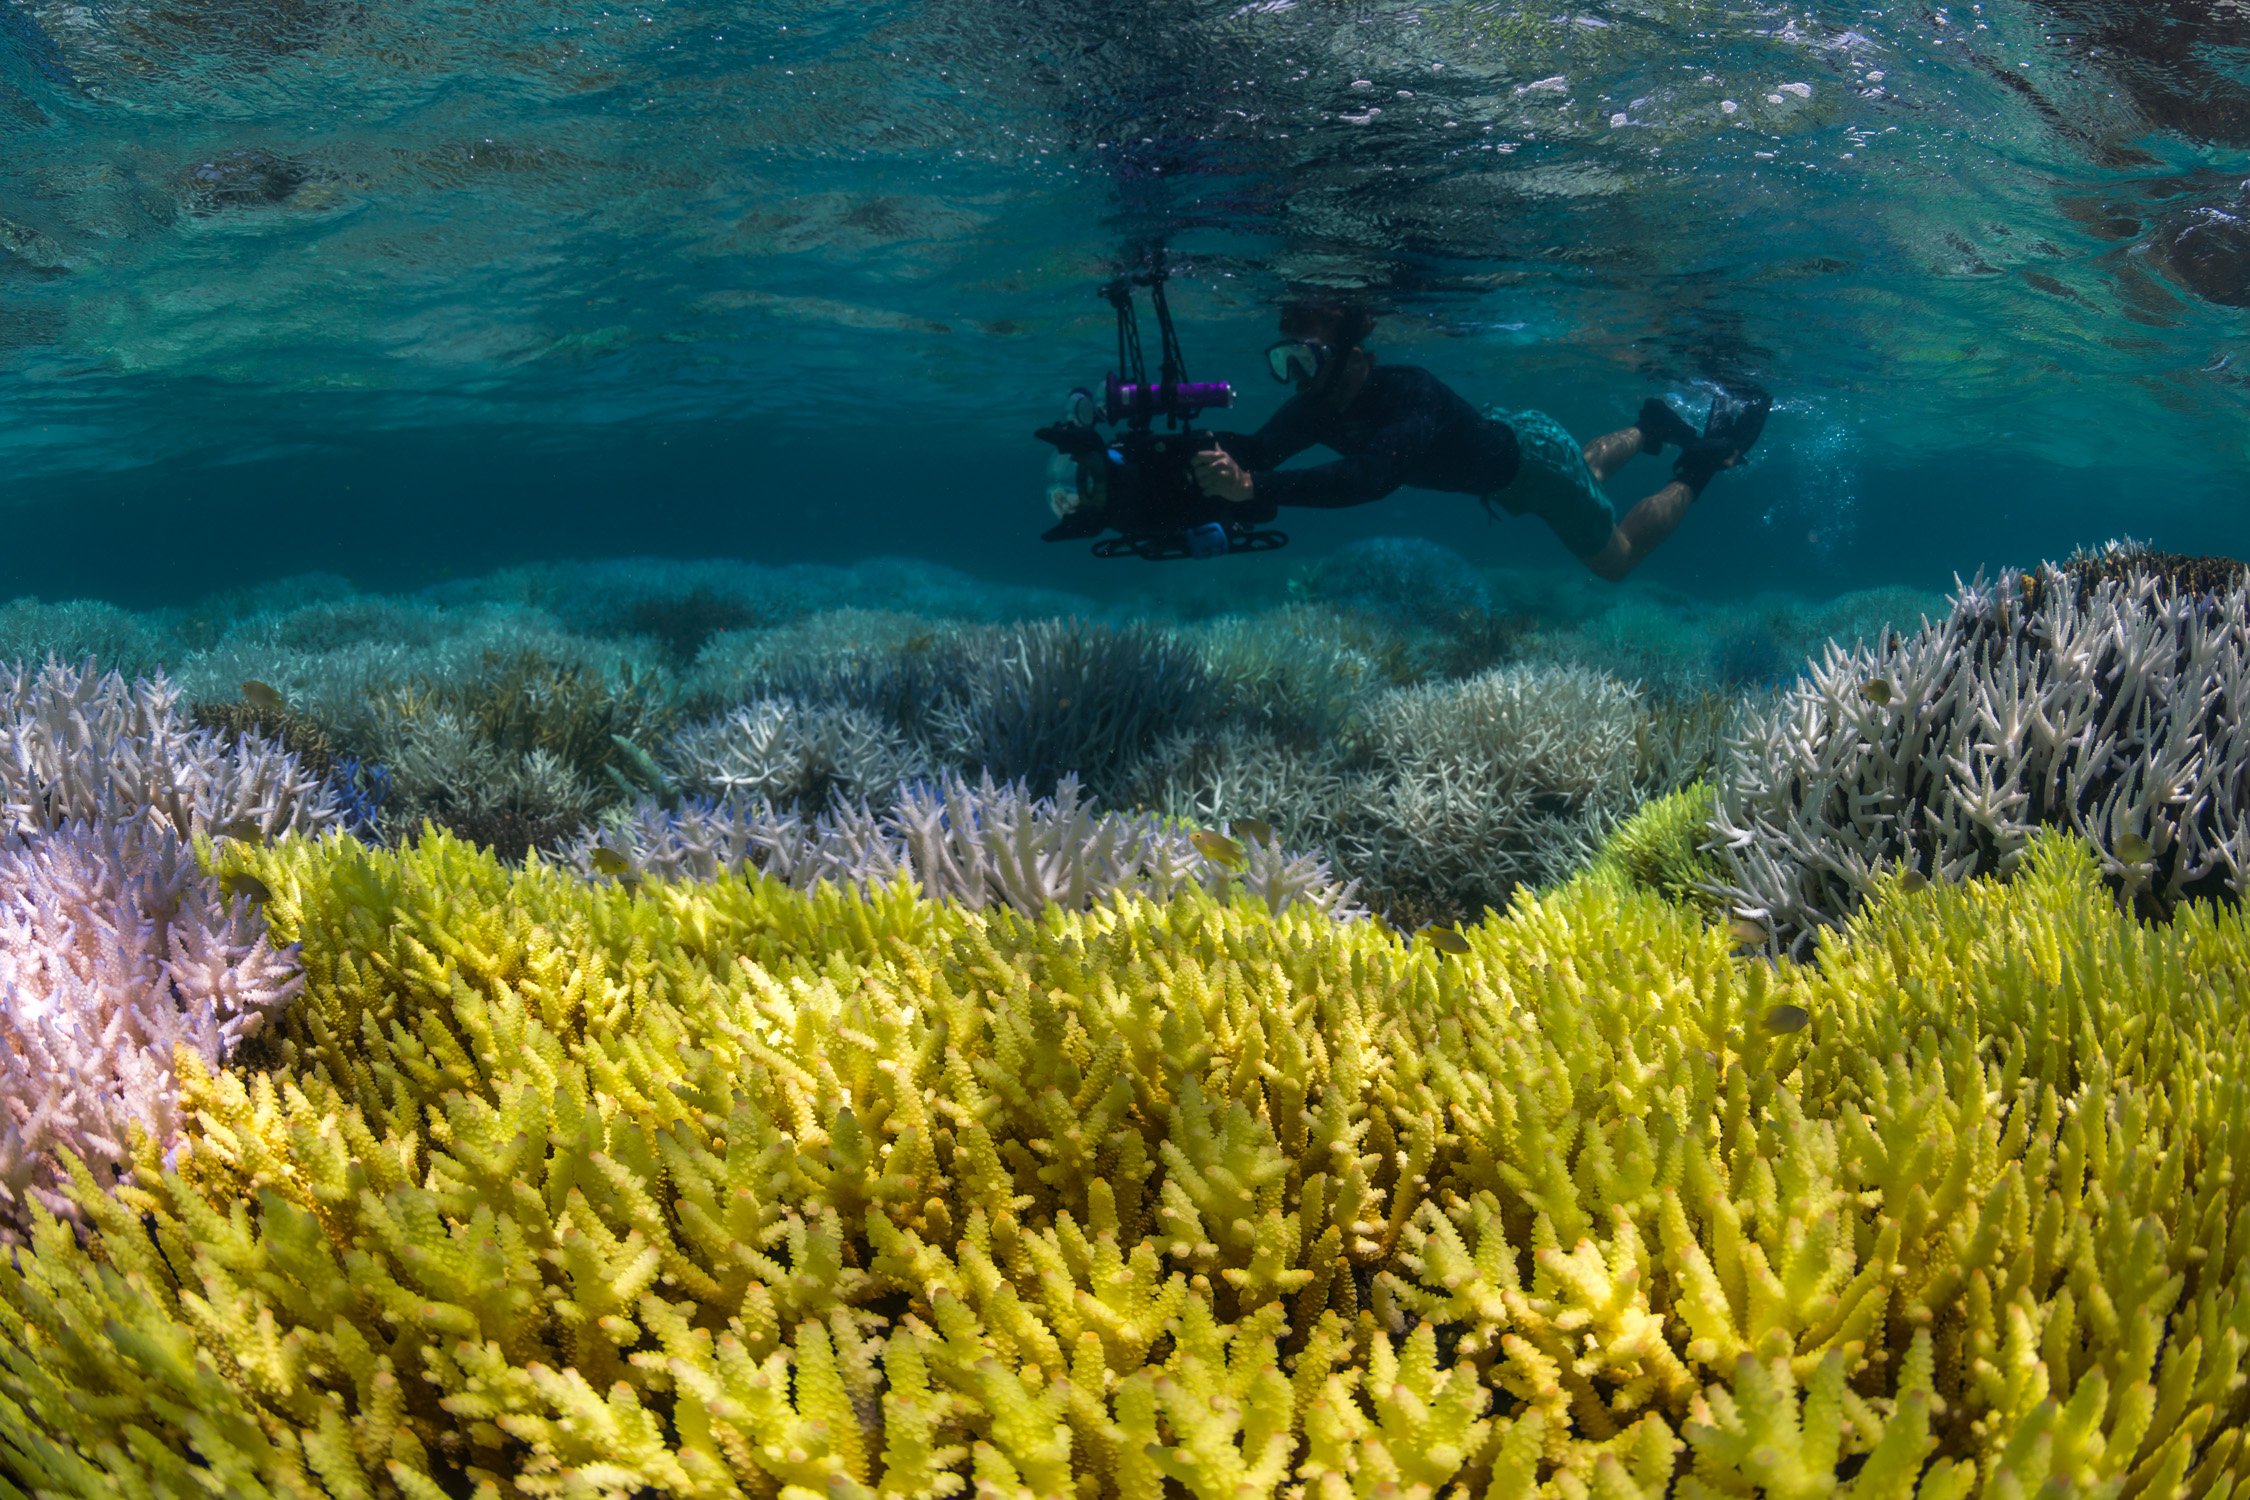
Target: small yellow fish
(1748, 933)
(607, 861)
(1446, 940)
(1257, 830)
(2133, 849)
(263, 697)
(1783, 1019)
(244, 830)
(1876, 690)
(243, 883)
(1217, 848)
(1063, 704)
(1912, 881)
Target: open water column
(1306, 748)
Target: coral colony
(530, 1040)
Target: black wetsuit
(1405, 426)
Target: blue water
(416, 290)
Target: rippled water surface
(1993, 246)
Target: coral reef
(1662, 849)
(800, 658)
(299, 733)
(974, 845)
(115, 949)
(77, 745)
(1505, 779)
(82, 630)
(1301, 674)
(446, 770)
(2126, 560)
(1307, 795)
(1441, 799)
(516, 707)
(786, 751)
(1676, 648)
(2114, 708)
(557, 1188)
(1406, 578)
(608, 597)
(527, 703)
(1056, 698)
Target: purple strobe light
(1182, 400)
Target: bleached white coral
(736, 664)
(979, 844)
(1305, 795)
(82, 746)
(442, 767)
(2121, 712)
(783, 750)
(1510, 777)
(1300, 672)
(115, 948)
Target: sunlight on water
(1951, 227)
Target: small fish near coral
(1218, 848)
(264, 697)
(1445, 940)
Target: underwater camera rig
(1136, 480)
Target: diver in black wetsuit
(1397, 425)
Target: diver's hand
(1220, 477)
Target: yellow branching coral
(550, 1188)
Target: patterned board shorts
(1553, 483)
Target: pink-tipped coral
(77, 746)
(115, 948)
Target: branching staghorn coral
(79, 629)
(77, 745)
(1446, 797)
(1058, 698)
(1507, 778)
(1302, 675)
(443, 769)
(977, 845)
(115, 948)
(1662, 848)
(527, 704)
(848, 648)
(2128, 561)
(2116, 709)
(781, 750)
(722, 1190)
(1214, 777)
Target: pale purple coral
(78, 746)
(979, 844)
(115, 948)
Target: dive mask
(1294, 359)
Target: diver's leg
(1606, 454)
(1642, 531)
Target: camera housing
(1138, 480)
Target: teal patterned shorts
(1553, 483)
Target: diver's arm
(1365, 476)
(1287, 433)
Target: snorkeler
(1397, 425)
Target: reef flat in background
(924, 1037)
(1392, 705)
